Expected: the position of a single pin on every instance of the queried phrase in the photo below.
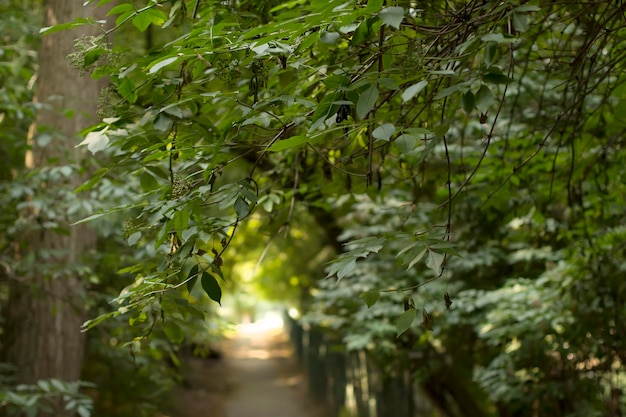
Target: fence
(350, 383)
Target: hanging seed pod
(427, 320)
(408, 303)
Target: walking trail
(258, 377)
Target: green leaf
(121, 8)
(211, 287)
(389, 83)
(83, 411)
(342, 268)
(292, 142)
(329, 38)
(493, 37)
(374, 6)
(173, 331)
(404, 322)
(484, 99)
(148, 17)
(217, 270)
(148, 182)
(448, 91)
(406, 142)
(287, 5)
(96, 141)
(392, 16)
(242, 208)
(384, 132)
(434, 261)
(174, 110)
(104, 213)
(362, 33)
(161, 64)
(470, 43)
(162, 123)
(126, 89)
(367, 102)
(122, 18)
(192, 278)
(248, 191)
(468, 102)
(492, 78)
(90, 324)
(490, 54)
(336, 81)
(180, 221)
(156, 155)
(370, 297)
(77, 22)
(95, 178)
(441, 130)
(520, 22)
(92, 56)
(524, 9)
(366, 245)
(418, 257)
(414, 90)
(133, 238)
(326, 108)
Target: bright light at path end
(270, 321)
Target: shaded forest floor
(256, 377)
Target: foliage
(462, 158)
(46, 396)
(18, 63)
(139, 372)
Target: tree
(46, 305)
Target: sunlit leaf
(96, 141)
(151, 16)
(162, 64)
(384, 132)
(292, 142)
(121, 8)
(414, 90)
(133, 238)
(392, 16)
(77, 22)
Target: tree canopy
(454, 169)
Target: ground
(256, 377)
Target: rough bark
(46, 305)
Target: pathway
(267, 382)
(258, 377)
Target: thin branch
(292, 203)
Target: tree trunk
(46, 305)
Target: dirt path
(257, 377)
